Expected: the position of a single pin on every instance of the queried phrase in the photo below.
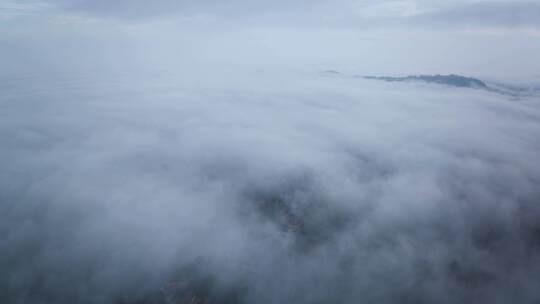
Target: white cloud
(342, 12)
(276, 187)
(486, 14)
(388, 9)
(10, 9)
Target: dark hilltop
(451, 80)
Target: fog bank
(265, 187)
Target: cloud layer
(265, 188)
(487, 14)
(347, 13)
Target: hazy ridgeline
(266, 187)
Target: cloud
(265, 187)
(485, 14)
(143, 9)
(317, 14)
(12, 9)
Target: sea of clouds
(265, 187)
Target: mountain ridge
(451, 80)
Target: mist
(208, 153)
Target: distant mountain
(510, 90)
(451, 80)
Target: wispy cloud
(513, 14)
(15, 8)
(348, 13)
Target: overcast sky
(349, 13)
(483, 38)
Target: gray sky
(315, 13)
(488, 38)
